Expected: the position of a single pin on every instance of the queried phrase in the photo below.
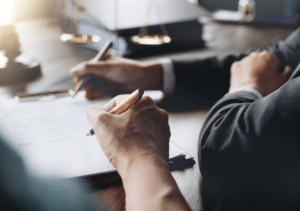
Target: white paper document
(53, 137)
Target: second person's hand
(260, 71)
(118, 75)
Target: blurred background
(41, 40)
(28, 9)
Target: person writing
(249, 143)
(198, 81)
(248, 147)
(136, 142)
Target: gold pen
(133, 98)
(99, 57)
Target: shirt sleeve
(168, 76)
(246, 89)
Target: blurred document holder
(52, 136)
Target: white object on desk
(227, 15)
(52, 137)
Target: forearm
(204, 81)
(153, 75)
(149, 185)
(245, 138)
(200, 82)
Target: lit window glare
(6, 12)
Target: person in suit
(248, 146)
(199, 81)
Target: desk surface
(40, 39)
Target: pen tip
(141, 91)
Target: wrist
(132, 165)
(154, 75)
(235, 88)
(148, 184)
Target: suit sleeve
(256, 140)
(201, 82)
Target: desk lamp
(15, 67)
(143, 38)
(78, 38)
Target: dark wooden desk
(40, 39)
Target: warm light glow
(79, 39)
(151, 40)
(3, 60)
(84, 37)
(6, 12)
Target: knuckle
(234, 66)
(148, 100)
(267, 55)
(169, 132)
(84, 64)
(254, 54)
(102, 117)
(95, 115)
(91, 108)
(164, 114)
(120, 98)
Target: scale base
(22, 69)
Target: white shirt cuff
(247, 89)
(168, 76)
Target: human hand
(141, 132)
(117, 75)
(259, 71)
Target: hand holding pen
(125, 105)
(142, 129)
(118, 75)
(99, 57)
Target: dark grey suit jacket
(202, 82)
(249, 148)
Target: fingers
(99, 68)
(145, 101)
(287, 72)
(114, 102)
(77, 71)
(94, 113)
(94, 94)
(76, 80)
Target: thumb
(96, 115)
(99, 68)
(287, 72)
(114, 102)
(79, 70)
